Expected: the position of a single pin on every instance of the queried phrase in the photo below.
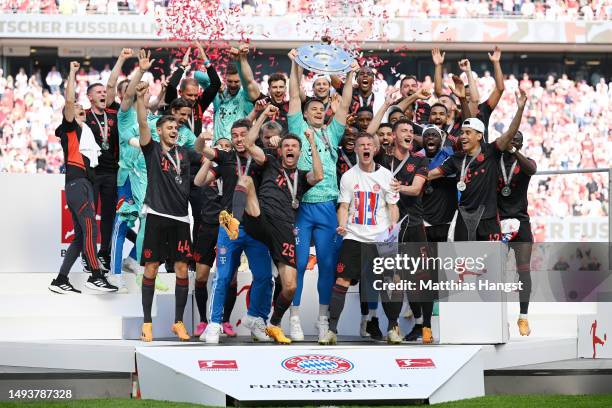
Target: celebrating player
(166, 205)
(368, 208)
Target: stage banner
(300, 373)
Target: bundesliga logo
(317, 364)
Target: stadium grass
(498, 401)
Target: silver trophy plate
(324, 59)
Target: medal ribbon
(177, 164)
(292, 188)
(103, 132)
(507, 179)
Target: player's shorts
(277, 235)
(487, 230)
(355, 260)
(166, 238)
(522, 245)
(205, 245)
(437, 233)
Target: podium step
(60, 327)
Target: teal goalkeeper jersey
(326, 189)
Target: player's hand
(395, 185)
(234, 53)
(201, 54)
(326, 39)
(126, 53)
(270, 110)
(141, 89)
(423, 93)
(458, 88)
(465, 65)
(355, 67)
(310, 136)
(293, 54)
(335, 101)
(206, 135)
(244, 50)
(521, 98)
(74, 67)
(350, 120)
(144, 60)
(496, 56)
(437, 56)
(341, 230)
(390, 95)
(275, 141)
(186, 58)
(261, 105)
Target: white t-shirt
(368, 195)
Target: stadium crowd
(549, 9)
(566, 127)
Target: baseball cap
(474, 123)
(321, 76)
(432, 128)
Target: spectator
(54, 80)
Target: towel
(88, 146)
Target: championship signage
(298, 373)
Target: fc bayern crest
(317, 364)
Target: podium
(474, 314)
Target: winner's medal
(506, 190)
(461, 186)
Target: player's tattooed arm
(316, 174)
(141, 114)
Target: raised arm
(316, 174)
(111, 85)
(253, 134)
(69, 110)
(175, 78)
(422, 93)
(458, 90)
(497, 92)
(438, 60)
(246, 73)
(141, 114)
(144, 63)
(201, 147)
(347, 95)
(504, 140)
(201, 176)
(380, 113)
(466, 67)
(207, 97)
(295, 103)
